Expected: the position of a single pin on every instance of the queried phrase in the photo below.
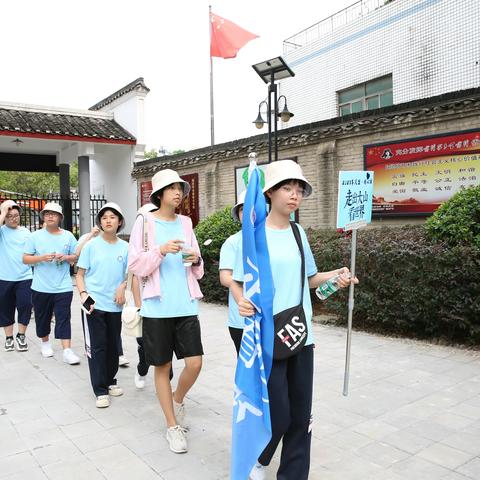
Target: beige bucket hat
(148, 207)
(236, 208)
(162, 179)
(51, 207)
(110, 206)
(12, 204)
(281, 170)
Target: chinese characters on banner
(189, 206)
(355, 193)
(415, 176)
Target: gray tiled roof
(34, 123)
(137, 84)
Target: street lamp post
(270, 71)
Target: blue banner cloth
(251, 429)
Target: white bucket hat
(110, 206)
(236, 208)
(51, 207)
(162, 179)
(144, 209)
(281, 170)
(12, 204)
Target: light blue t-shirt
(285, 263)
(228, 254)
(12, 244)
(175, 300)
(50, 277)
(105, 264)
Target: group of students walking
(165, 259)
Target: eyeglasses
(300, 192)
(13, 217)
(50, 214)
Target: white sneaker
(46, 349)
(257, 472)
(102, 401)
(123, 361)
(115, 391)
(70, 357)
(180, 415)
(139, 381)
(177, 440)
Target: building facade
(326, 147)
(378, 52)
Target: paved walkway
(413, 413)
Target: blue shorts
(15, 295)
(47, 304)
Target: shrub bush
(217, 227)
(457, 221)
(409, 286)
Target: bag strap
(298, 238)
(145, 234)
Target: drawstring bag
(290, 325)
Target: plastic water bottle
(324, 290)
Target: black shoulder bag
(290, 325)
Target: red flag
(227, 38)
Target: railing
(327, 25)
(33, 204)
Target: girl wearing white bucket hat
(290, 384)
(51, 250)
(15, 277)
(228, 254)
(101, 275)
(169, 297)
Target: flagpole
(212, 112)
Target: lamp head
(259, 121)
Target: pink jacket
(147, 264)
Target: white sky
(73, 54)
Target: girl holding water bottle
(170, 267)
(290, 384)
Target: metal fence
(329, 24)
(33, 204)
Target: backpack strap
(298, 238)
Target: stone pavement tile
(35, 473)
(17, 463)
(73, 470)
(24, 411)
(55, 452)
(455, 476)
(374, 429)
(113, 416)
(452, 420)
(347, 440)
(471, 468)
(65, 412)
(146, 444)
(326, 454)
(407, 442)
(136, 428)
(465, 441)
(381, 454)
(474, 401)
(82, 428)
(445, 456)
(417, 468)
(117, 463)
(95, 441)
(431, 430)
(351, 466)
(204, 468)
(11, 445)
(397, 418)
(335, 415)
(465, 410)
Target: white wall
(429, 46)
(110, 175)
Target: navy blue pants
(102, 331)
(236, 335)
(290, 389)
(47, 304)
(15, 295)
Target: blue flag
(251, 429)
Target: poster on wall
(189, 206)
(415, 176)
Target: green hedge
(410, 286)
(217, 227)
